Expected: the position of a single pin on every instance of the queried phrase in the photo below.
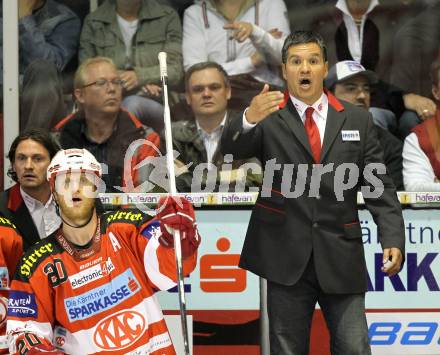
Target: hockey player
(89, 287)
(11, 249)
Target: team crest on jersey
(91, 274)
(60, 335)
(152, 231)
(120, 330)
(4, 278)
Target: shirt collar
(219, 128)
(319, 106)
(132, 23)
(31, 203)
(342, 5)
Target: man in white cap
(350, 81)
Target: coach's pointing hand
(263, 104)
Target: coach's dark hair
(303, 37)
(38, 135)
(206, 65)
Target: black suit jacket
(13, 207)
(284, 232)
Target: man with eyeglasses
(198, 141)
(106, 130)
(350, 81)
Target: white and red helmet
(72, 160)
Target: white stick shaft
(173, 191)
(169, 142)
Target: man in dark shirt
(28, 204)
(198, 140)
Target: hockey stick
(170, 165)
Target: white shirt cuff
(247, 126)
(257, 34)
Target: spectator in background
(363, 30)
(106, 130)
(350, 81)
(29, 204)
(48, 40)
(382, 117)
(132, 33)
(416, 46)
(198, 141)
(245, 37)
(360, 30)
(421, 150)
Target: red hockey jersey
(11, 249)
(100, 298)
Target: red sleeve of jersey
(31, 303)
(159, 262)
(11, 248)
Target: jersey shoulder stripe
(35, 255)
(5, 222)
(130, 216)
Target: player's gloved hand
(177, 213)
(23, 340)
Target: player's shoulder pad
(6, 222)
(130, 216)
(35, 255)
